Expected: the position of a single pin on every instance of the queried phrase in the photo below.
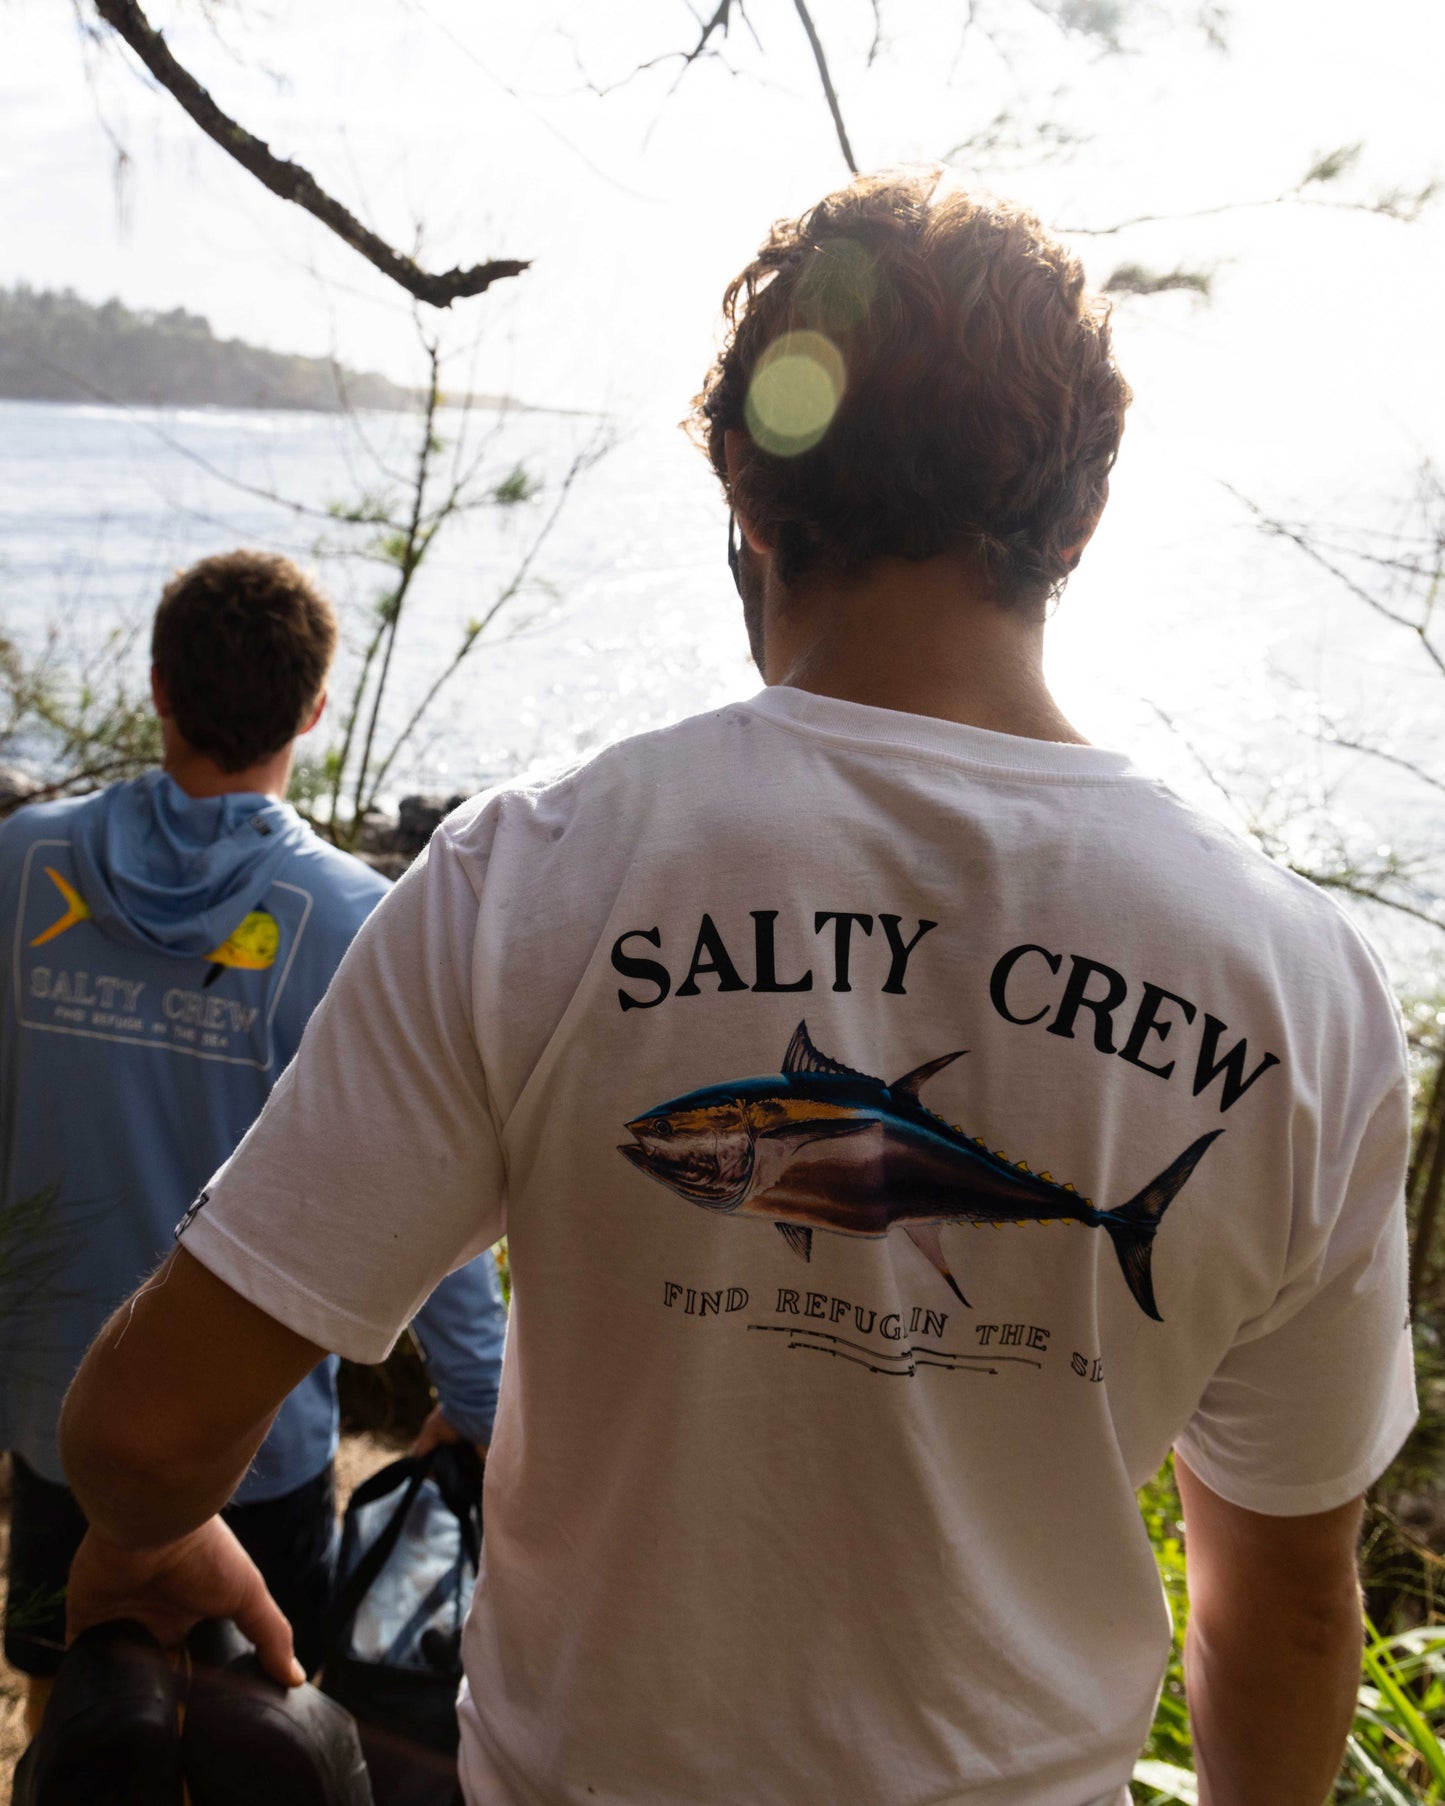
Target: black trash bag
(127, 1725)
(410, 1547)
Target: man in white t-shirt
(908, 1122)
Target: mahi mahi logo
(823, 1147)
(76, 909)
(249, 947)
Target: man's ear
(310, 720)
(160, 696)
(1074, 551)
(736, 446)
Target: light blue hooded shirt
(160, 956)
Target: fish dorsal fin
(802, 1056)
(913, 1082)
(799, 1239)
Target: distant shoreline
(492, 404)
(57, 347)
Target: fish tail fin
(799, 1239)
(925, 1237)
(1132, 1228)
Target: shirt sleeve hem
(281, 1297)
(1313, 1496)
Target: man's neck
(200, 776)
(912, 637)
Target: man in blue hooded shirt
(162, 945)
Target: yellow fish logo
(77, 909)
(249, 948)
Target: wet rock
(416, 820)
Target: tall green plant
(404, 521)
(1396, 1750)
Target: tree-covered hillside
(57, 347)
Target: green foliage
(1169, 1749)
(1136, 279)
(1332, 164)
(1099, 19)
(517, 486)
(502, 1256)
(1395, 1755)
(74, 721)
(310, 781)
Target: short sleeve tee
(904, 1135)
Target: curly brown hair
(242, 642)
(918, 370)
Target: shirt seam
(209, 1224)
(958, 761)
(1356, 1478)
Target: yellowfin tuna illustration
(820, 1146)
(77, 909)
(250, 947)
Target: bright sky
(477, 122)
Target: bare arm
(1272, 1658)
(159, 1425)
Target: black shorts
(292, 1540)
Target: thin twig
(1307, 546)
(289, 180)
(1206, 769)
(1387, 758)
(1352, 887)
(475, 632)
(417, 541)
(816, 44)
(1396, 207)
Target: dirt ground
(358, 1457)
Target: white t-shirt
(773, 1516)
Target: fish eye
(660, 1127)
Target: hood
(174, 873)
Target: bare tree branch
(1367, 893)
(508, 593)
(877, 43)
(1420, 629)
(1397, 204)
(816, 45)
(289, 180)
(419, 536)
(1385, 757)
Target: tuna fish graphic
(820, 1146)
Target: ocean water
(1212, 653)
(627, 620)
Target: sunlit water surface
(1181, 609)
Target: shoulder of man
(630, 773)
(343, 888)
(36, 821)
(1296, 935)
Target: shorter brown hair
(242, 642)
(975, 404)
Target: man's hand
(169, 1590)
(436, 1430)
